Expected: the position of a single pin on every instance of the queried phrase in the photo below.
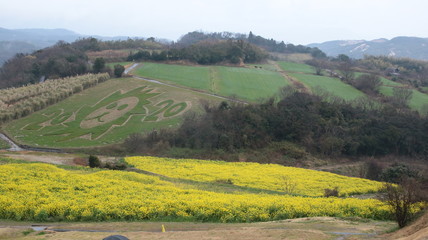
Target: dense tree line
(197, 36)
(58, 61)
(207, 52)
(405, 70)
(273, 46)
(322, 127)
(269, 45)
(93, 44)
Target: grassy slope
(249, 84)
(189, 76)
(28, 130)
(419, 100)
(3, 144)
(296, 67)
(332, 85)
(245, 83)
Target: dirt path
(297, 84)
(53, 158)
(303, 228)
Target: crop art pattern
(94, 121)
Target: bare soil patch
(303, 228)
(415, 231)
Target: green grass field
(106, 114)
(419, 101)
(333, 85)
(296, 67)
(3, 144)
(248, 84)
(251, 84)
(189, 76)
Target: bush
(224, 181)
(400, 198)
(94, 161)
(118, 70)
(397, 172)
(331, 192)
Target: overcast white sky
(293, 21)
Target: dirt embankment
(418, 230)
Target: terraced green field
(248, 84)
(296, 67)
(197, 77)
(419, 101)
(332, 85)
(106, 114)
(251, 84)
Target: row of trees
(269, 45)
(58, 61)
(273, 46)
(328, 128)
(207, 52)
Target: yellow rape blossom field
(43, 192)
(263, 176)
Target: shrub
(331, 192)
(397, 172)
(400, 198)
(224, 181)
(94, 161)
(118, 70)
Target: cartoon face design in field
(109, 112)
(114, 111)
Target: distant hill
(40, 38)
(410, 47)
(13, 41)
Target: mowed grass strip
(296, 67)
(249, 84)
(197, 77)
(418, 101)
(333, 85)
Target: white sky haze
(293, 21)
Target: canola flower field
(43, 192)
(263, 176)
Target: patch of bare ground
(54, 158)
(418, 230)
(303, 228)
(297, 84)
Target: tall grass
(19, 102)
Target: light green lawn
(333, 85)
(197, 77)
(249, 83)
(419, 101)
(3, 144)
(296, 67)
